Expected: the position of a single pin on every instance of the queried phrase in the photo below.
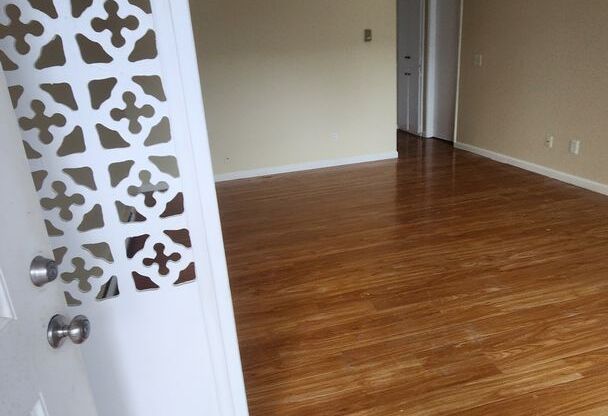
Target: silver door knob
(43, 271)
(59, 329)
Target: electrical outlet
(334, 137)
(575, 147)
(549, 142)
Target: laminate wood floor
(439, 284)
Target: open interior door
(410, 56)
(109, 102)
(36, 379)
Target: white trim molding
(459, 74)
(224, 374)
(533, 167)
(253, 173)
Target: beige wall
(281, 76)
(545, 71)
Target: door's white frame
(215, 292)
(457, 104)
(428, 88)
(422, 70)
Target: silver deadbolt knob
(59, 329)
(43, 271)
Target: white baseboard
(304, 166)
(533, 167)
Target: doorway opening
(428, 38)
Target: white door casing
(36, 379)
(410, 57)
(441, 73)
(109, 102)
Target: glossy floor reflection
(441, 283)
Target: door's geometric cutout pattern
(174, 207)
(6, 63)
(82, 274)
(82, 176)
(147, 188)
(15, 92)
(160, 133)
(100, 250)
(101, 90)
(42, 122)
(161, 259)
(110, 139)
(71, 300)
(39, 176)
(145, 48)
(59, 253)
(7, 312)
(72, 143)
(51, 54)
(30, 153)
(127, 213)
(39, 408)
(143, 5)
(109, 289)
(19, 30)
(166, 164)
(135, 244)
(142, 282)
(151, 85)
(51, 230)
(186, 276)
(61, 93)
(92, 219)
(131, 112)
(91, 51)
(62, 201)
(119, 171)
(87, 87)
(45, 6)
(181, 237)
(114, 23)
(79, 6)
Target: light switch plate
(368, 35)
(575, 147)
(478, 59)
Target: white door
(108, 99)
(410, 18)
(35, 379)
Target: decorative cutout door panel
(107, 97)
